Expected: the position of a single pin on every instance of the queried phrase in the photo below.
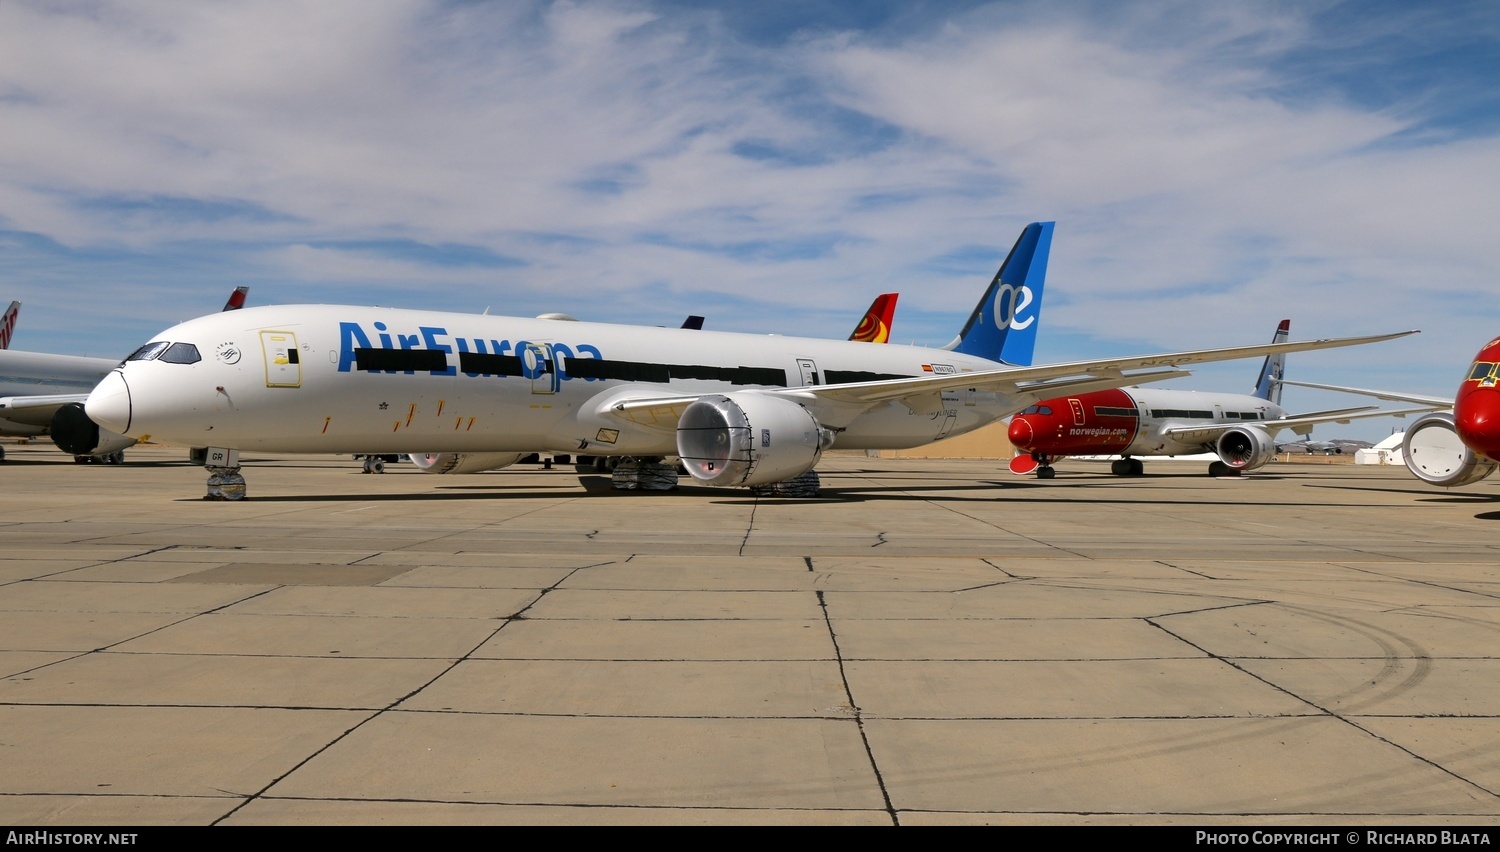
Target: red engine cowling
(462, 462)
(1435, 454)
(1244, 448)
(748, 439)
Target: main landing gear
(1127, 467)
(805, 484)
(642, 473)
(1219, 468)
(377, 463)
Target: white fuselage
(1161, 410)
(298, 378)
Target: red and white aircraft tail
(8, 324)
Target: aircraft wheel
(1120, 467)
(2, 454)
(1045, 472)
(1219, 468)
(1136, 468)
(377, 466)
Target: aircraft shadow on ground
(1425, 495)
(1017, 491)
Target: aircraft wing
(838, 405)
(1300, 423)
(36, 410)
(1435, 401)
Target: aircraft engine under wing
(1437, 455)
(73, 432)
(1245, 447)
(748, 439)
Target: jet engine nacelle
(1435, 454)
(748, 439)
(1244, 448)
(462, 462)
(74, 433)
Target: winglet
(8, 324)
(875, 327)
(236, 299)
(1004, 323)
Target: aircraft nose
(1021, 434)
(1477, 420)
(109, 403)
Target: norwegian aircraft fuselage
(310, 378)
(1132, 422)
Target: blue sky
(773, 166)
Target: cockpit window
(148, 352)
(180, 353)
(1043, 410)
(1480, 370)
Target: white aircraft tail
(1268, 381)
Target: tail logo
(1010, 303)
(8, 324)
(871, 330)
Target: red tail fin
(876, 326)
(236, 299)
(8, 324)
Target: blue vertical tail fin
(1004, 323)
(1268, 381)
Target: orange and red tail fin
(876, 326)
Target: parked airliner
(737, 409)
(1459, 446)
(1134, 422)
